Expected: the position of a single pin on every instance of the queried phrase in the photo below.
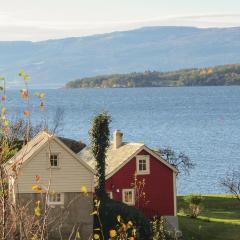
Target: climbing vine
(99, 136)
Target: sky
(37, 20)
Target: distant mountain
(53, 63)
(213, 76)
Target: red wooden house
(138, 176)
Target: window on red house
(128, 196)
(143, 165)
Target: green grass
(219, 220)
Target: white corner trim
(110, 195)
(147, 159)
(174, 193)
(133, 196)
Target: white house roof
(30, 148)
(34, 145)
(117, 158)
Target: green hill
(219, 220)
(212, 76)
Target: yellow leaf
(119, 218)
(4, 110)
(42, 95)
(34, 187)
(94, 213)
(21, 74)
(37, 188)
(78, 235)
(5, 123)
(97, 203)
(37, 211)
(130, 223)
(112, 233)
(25, 77)
(83, 189)
(34, 237)
(96, 236)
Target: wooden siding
(159, 186)
(69, 177)
(75, 212)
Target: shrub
(194, 202)
(157, 227)
(110, 211)
(160, 232)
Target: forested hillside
(213, 76)
(51, 64)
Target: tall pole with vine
(99, 136)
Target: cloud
(14, 27)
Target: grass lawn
(219, 220)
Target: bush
(157, 228)
(112, 209)
(194, 202)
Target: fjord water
(202, 122)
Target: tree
(99, 136)
(18, 129)
(180, 161)
(194, 202)
(231, 183)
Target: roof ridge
(135, 143)
(29, 145)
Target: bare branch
(58, 121)
(231, 183)
(180, 161)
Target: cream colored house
(57, 168)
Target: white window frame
(61, 202)
(147, 159)
(110, 194)
(58, 160)
(133, 196)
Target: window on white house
(110, 194)
(128, 196)
(54, 160)
(143, 166)
(56, 198)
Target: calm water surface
(203, 122)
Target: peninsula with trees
(225, 75)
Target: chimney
(117, 139)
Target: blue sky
(44, 19)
